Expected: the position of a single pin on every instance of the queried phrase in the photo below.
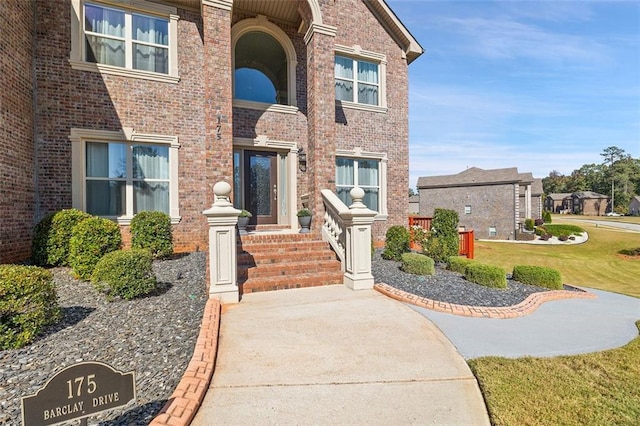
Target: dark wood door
(261, 186)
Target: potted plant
(243, 221)
(304, 219)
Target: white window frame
(381, 157)
(79, 139)
(467, 209)
(78, 54)
(493, 231)
(261, 24)
(357, 53)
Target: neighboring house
(114, 107)
(581, 202)
(414, 204)
(558, 203)
(634, 206)
(494, 203)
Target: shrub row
(538, 276)
(28, 302)
(418, 264)
(458, 264)
(557, 230)
(486, 275)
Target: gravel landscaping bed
(448, 286)
(153, 336)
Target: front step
(278, 261)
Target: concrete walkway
(329, 355)
(560, 327)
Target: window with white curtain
(357, 81)
(364, 173)
(122, 38)
(123, 179)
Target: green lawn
(600, 388)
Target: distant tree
(620, 170)
(554, 183)
(412, 192)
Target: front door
(261, 186)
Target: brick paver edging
(186, 399)
(523, 308)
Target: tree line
(618, 174)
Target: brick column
(320, 117)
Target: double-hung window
(140, 42)
(125, 39)
(118, 177)
(364, 173)
(357, 81)
(360, 80)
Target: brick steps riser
(253, 259)
(300, 281)
(289, 269)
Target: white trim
(319, 28)
(79, 137)
(358, 153)
(261, 106)
(77, 54)
(261, 24)
(219, 4)
(357, 53)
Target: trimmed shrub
(152, 231)
(125, 273)
(546, 216)
(458, 264)
(51, 236)
(538, 275)
(443, 241)
(540, 231)
(418, 264)
(90, 240)
(486, 275)
(396, 243)
(28, 302)
(529, 224)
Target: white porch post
(357, 226)
(222, 219)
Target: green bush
(486, 275)
(152, 231)
(540, 231)
(418, 264)
(529, 224)
(630, 252)
(396, 243)
(458, 263)
(538, 275)
(50, 244)
(444, 240)
(90, 240)
(557, 230)
(125, 273)
(28, 302)
(546, 216)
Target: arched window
(264, 63)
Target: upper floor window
(357, 81)
(121, 41)
(360, 80)
(264, 66)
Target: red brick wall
(17, 191)
(372, 131)
(72, 98)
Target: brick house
(494, 203)
(119, 106)
(581, 202)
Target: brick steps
(278, 261)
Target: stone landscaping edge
(527, 306)
(185, 401)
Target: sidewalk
(329, 355)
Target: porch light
(302, 160)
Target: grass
(601, 388)
(596, 263)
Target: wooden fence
(466, 238)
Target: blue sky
(538, 85)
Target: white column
(222, 219)
(527, 197)
(357, 227)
